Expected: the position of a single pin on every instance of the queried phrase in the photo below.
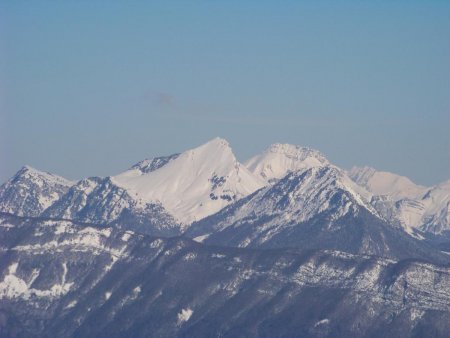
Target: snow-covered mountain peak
(28, 172)
(280, 159)
(315, 199)
(385, 183)
(27, 167)
(217, 149)
(295, 151)
(331, 177)
(403, 201)
(31, 191)
(195, 184)
(309, 189)
(216, 143)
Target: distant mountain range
(198, 244)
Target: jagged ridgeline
(198, 244)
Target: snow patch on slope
(184, 315)
(13, 286)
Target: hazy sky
(89, 87)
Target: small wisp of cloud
(159, 98)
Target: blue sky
(89, 87)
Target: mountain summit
(386, 183)
(175, 191)
(197, 183)
(401, 200)
(280, 159)
(315, 208)
(30, 191)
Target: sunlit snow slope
(198, 183)
(414, 206)
(280, 159)
(386, 183)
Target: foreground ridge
(66, 279)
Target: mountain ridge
(311, 209)
(201, 181)
(65, 279)
(302, 250)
